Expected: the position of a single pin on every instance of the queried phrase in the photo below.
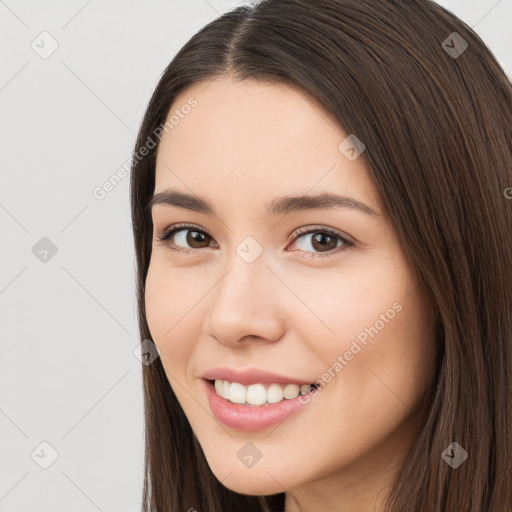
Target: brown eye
(323, 241)
(184, 238)
(196, 239)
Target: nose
(245, 305)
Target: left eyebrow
(278, 206)
(285, 205)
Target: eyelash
(172, 230)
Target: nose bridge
(246, 270)
(243, 302)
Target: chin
(252, 485)
(251, 481)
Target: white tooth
(237, 393)
(291, 391)
(256, 394)
(225, 389)
(274, 393)
(304, 389)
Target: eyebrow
(279, 206)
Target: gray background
(68, 372)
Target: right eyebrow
(182, 200)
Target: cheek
(168, 294)
(156, 304)
(166, 313)
(346, 305)
(387, 357)
(372, 330)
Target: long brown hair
(434, 110)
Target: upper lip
(251, 376)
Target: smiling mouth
(259, 394)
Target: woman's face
(249, 292)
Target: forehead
(254, 138)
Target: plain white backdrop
(75, 78)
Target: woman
(323, 229)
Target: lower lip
(243, 417)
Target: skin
(291, 311)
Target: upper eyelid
(303, 230)
(297, 233)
